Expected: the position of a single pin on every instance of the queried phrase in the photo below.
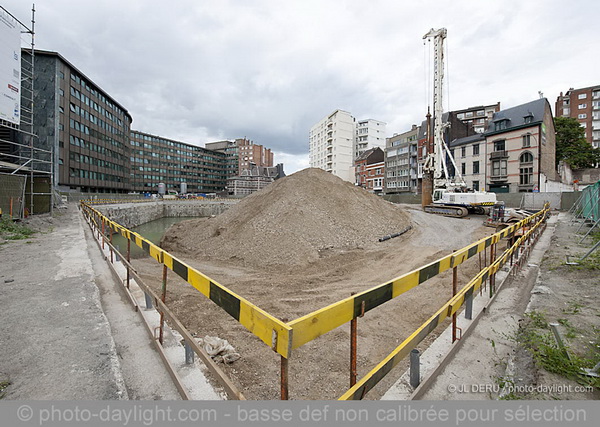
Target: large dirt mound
(296, 220)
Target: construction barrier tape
(371, 379)
(272, 331)
(278, 334)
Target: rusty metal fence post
(128, 260)
(353, 348)
(110, 230)
(284, 379)
(493, 275)
(454, 290)
(163, 298)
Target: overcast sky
(200, 71)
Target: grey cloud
(268, 70)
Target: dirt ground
(566, 295)
(320, 369)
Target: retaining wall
(133, 214)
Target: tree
(571, 145)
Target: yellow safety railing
(283, 337)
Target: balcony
(498, 155)
(499, 178)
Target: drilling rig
(450, 196)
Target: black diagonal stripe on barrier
(429, 271)
(472, 251)
(488, 241)
(485, 276)
(180, 269)
(225, 300)
(372, 298)
(145, 246)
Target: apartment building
(85, 127)
(155, 160)
(369, 170)
(584, 105)
(230, 149)
(515, 154)
(337, 140)
(251, 154)
(253, 179)
(401, 162)
(368, 134)
(331, 145)
(478, 117)
(469, 153)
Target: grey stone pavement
(56, 341)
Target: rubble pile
(294, 221)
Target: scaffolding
(20, 153)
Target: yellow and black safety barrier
(268, 328)
(359, 390)
(284, 337)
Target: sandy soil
(320, 369)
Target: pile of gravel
(294, 221)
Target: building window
(501, 125)
(463, 168)
(500, 145)
(582, 116)
(476, 167)
(499, 168)
(582, 106)
(582, 96)
(526, 175)
(476, 185)
(476, 149)
(463, 152)
(526, 157)
(527, 140)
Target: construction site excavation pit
(304, 242)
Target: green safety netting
(590, 202)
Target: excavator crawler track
(454, 211)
